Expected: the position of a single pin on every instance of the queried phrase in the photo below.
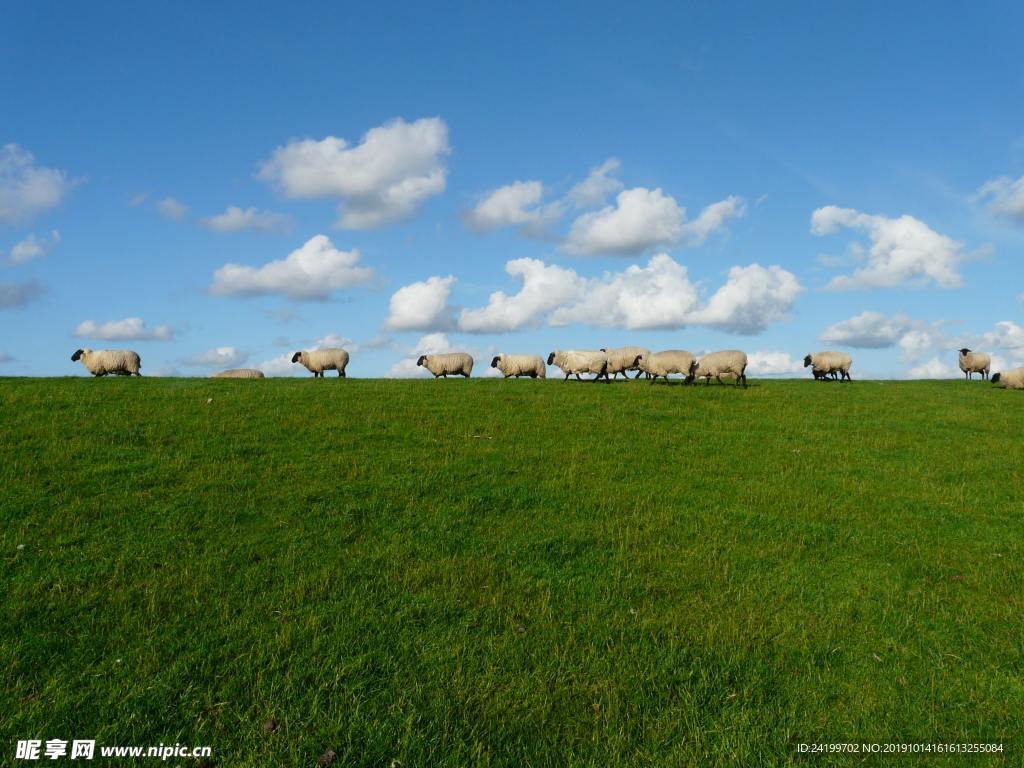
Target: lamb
(823, 364)
(728, 362)
(669, 361)
(100, 362)
(577, 361)
(319, 360)
(974, 362)
(240, 373)
(623, 359)
(452, 363)
(520, 365)
(1011, 379)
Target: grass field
(511, 573)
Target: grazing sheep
(728, 362)
(100, 362)
(669, 361)
(240, 373)
(974, 362)
(453, 363)
(824, 364)
(520, 365)
(319, 360)
(623, 359)
(577, 361)
(1011, 379)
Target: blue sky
(778, 179)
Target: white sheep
(728, 362)
(454, 363)
(824, 364)
(1011, 379)
(670, 361)
(319, 360)
(240, 373)
(577, 361)
(623, 359)
(100, 362)
(520, 365)
(974, 362)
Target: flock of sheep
(604, 362)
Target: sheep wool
(728, 362)
(520, 365)
(623, 359)
(240, 373)
(670, 361)
(101, 362)
(1011, 379)
(451, 364)
(577, 361)
(319, 360)
(974, 362)
(824, 364)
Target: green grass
(511, 573)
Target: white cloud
(934, 369)
(395, 168)
(172, 209)
(27, 189)
(1004, 197)
(19, 294)
(713, 218)
(640, 219)
(872, 330)
(505, 206)
(752, 297)
(773, 363)
(333, 341)
(32, 247)
(1007, 335)
(545, 287)
(311, 272)
(218, 357)
(597, 187)
(421, 306)
(282, 365)
(131, 328)
(903, 250)
(235, 219)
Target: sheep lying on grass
(1011, 379)
(319, 360)
(454, 363)
(240, 373)
(100, 362)
(520, 365)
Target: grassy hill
(511, 573)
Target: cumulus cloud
(1004, 197)
(385, 178)
(421, 306)
(131, 328)
(172, 209)
(934, 369)
(235, 219)
(19, 294)
(872, 330)
(309, 273)
(218, 357)
(32, 247)
(658, 295)
(27, 189)
(773, 363)
(713, 218)
(282, 365)
(640, 219)
(903, 250)
(597, 187)
(1007, 335)
(516, 204)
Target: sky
(219, 187)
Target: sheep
(319, 360)
(100, 362)
(1011, 379)
(240, 373)
(823, 364)
(728, 362)
(974, 362)
(520, 365)
(577, 361)
(452, 363)
(623, 359)
(669, 361)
